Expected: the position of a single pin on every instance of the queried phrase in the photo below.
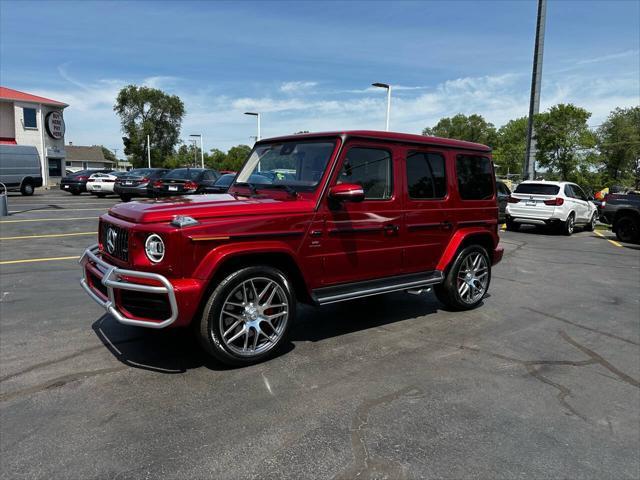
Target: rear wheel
(75, 192)
(569, 225)
(591, 226)
(628, 229)
(101, 195)
(27, 189)
(512, 226)
(248, 316)
(467, 281)
(125, 198)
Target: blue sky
(308, 65)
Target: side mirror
(346, 192)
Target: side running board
(350, 291)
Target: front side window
(426, 175)
(295, 164)
(30, 120)
(475, 177)
(371, 169)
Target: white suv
(560, 204)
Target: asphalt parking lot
(542, 381)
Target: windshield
(140, 172)
(299, 165)
(225, 180)
(184, 173)
(537, 189)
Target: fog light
(154, 248)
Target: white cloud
(294, 87)
(290, 107)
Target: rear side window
(538, 189)
(426, 175)
(371, 169)
(475, 177)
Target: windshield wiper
(288, 188)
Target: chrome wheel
(473, 278)
(254, 317)
(570, 224)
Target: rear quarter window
(537, 189)
(475, 177)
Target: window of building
(426, 175)
(475, 178)
(371, 169)
(30, 120)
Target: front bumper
(111, 278)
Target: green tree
(563, 140)
(472, 128)
(619, 145)
(108, 154)
(511, 146)
(236, 157)
(148, 111)
(215, 159)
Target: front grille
(115, 241)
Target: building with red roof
(27, 119)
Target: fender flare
(218, 256)
(458, 239)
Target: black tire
(101, 195)
(628, 229)
(591, 226)
(569, 225)
(210, 333)
(448, 292)
(125, 198)
(512, 226)
(75, 192)
(27, 188)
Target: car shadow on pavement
(175, 351)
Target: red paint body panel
(329, 243)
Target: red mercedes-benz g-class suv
(315, 218)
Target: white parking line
(56, 210)
(49, 235)
(47, 220)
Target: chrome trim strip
(380, 290)
(112, 280)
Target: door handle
(391, 228)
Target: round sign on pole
(54, 124)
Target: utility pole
(534, 103)
(388, 88)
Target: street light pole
(257, 115)
(201, 148)
(534, 101)
(388, 87)
(149, 151)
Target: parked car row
(147, 182)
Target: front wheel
(591, 226)
(27, 189)
(467, 281)
(248, 316)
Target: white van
(20, 168)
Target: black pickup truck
(623, 213)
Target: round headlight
(154, 248)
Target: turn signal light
(190, 185)
(555, 202)
(513, 199)
(157, 184)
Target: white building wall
(37, 137)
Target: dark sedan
(186, 181)
(503, 193)
(76, 183)
(138, 182)
(223, 183)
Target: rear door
(581, 203)
(428, 226)
(361, 241)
